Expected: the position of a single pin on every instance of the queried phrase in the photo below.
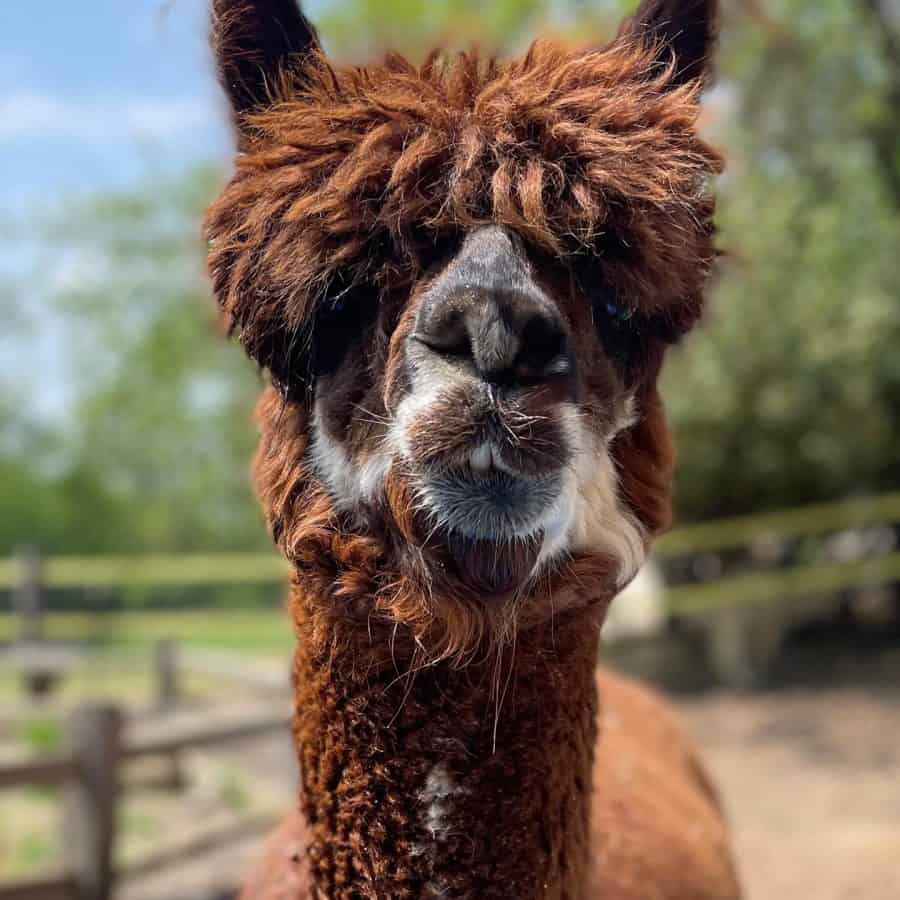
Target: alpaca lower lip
(490, 505)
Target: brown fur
(656, 832)
(371, 732)
(373, 717)
(352, 175)
(350, 575)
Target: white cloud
(31, 114)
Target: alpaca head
(462, 279)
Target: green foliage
(154, 449)
(791, 394)
(361, 29)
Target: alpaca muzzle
(492, 363)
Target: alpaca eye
(618, 312)
(333, 310)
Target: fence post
(90, 810)
(742, 641)
(28, 597)
(168, 695)
(166, 665)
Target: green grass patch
(138, 824)
(233, 791)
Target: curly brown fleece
(656, 830)
(351, 172)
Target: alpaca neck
(448, 782)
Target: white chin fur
(351, 485)
(589, 516)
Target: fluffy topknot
(353, 175)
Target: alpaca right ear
(681, 31)
(254, 41)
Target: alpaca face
(463, 278)
(493, 407)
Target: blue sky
(95, 93)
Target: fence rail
(807, 521)
(157, 570)
(48, 772)
(782, 585)
(197, 738)
(62, 888)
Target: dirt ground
(811, 782)
(809, 773)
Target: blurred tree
(154, 450)
(165, 402)
(791, 394)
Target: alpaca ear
(681, 30)
(254, 41)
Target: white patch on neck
(589, 515)
(351, 484)
(437, 799)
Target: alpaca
(462, 278)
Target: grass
(30, 835)
(99, 680)
(41, 735)
(233, 791)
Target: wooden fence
(90, 776)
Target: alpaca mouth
(491, 504)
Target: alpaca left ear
(683, 31)
(254, 42)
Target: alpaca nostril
(544, 350)
(487, 314)
(448, 336)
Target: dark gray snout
(486, 312)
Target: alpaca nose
(487, 312)
(506, 341)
